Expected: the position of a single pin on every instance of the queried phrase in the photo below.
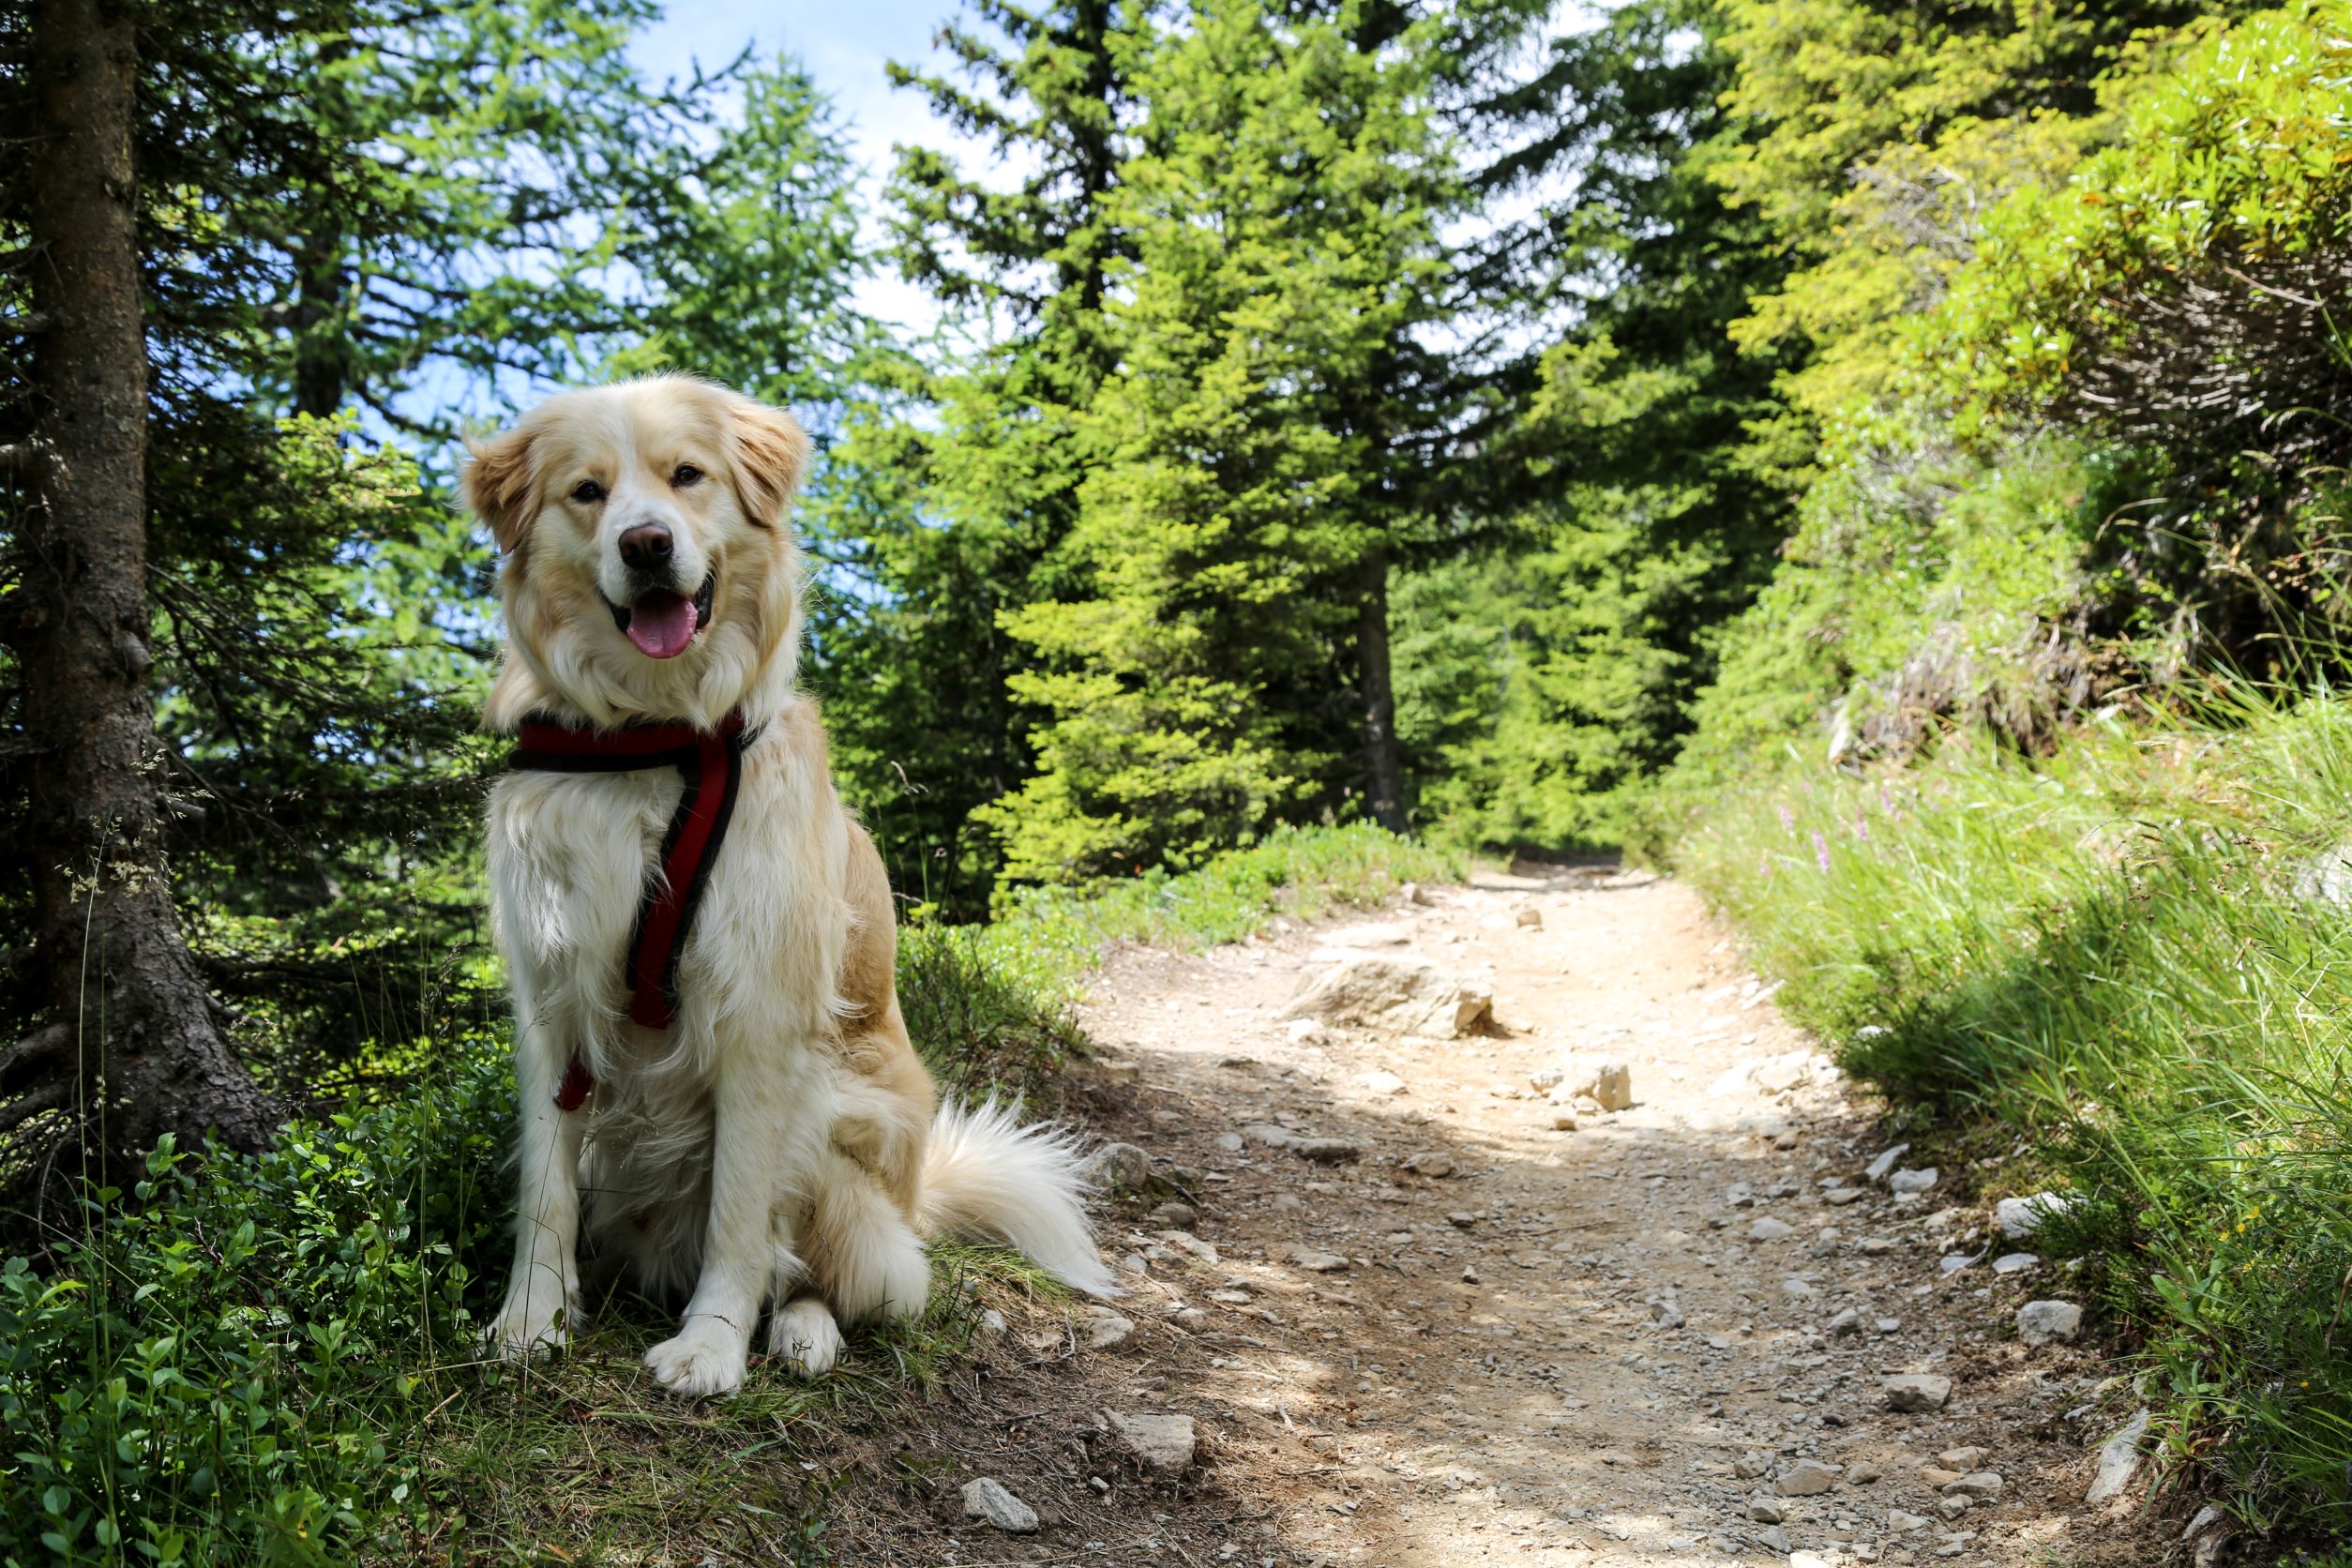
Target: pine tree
(1263, 449)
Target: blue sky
(844, 44)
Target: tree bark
(131, 1051)
(1383, 761)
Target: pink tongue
(661, 625)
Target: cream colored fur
(778, 1147)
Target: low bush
(2136, 956)
(273, 1359)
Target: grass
(2116, 959)
(272, 1359)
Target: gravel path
(1416, 1322)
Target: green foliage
(2132, 955)
(235, 1361)
(1885, 132)
(1282, 217)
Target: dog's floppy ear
(771, 453)
(496, 484)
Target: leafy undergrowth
(2137, 956)
(272, 1359)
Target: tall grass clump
(2137, 954)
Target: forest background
(1681, 427)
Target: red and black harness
(711, 764)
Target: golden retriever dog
(718, 1090)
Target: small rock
(1952, 1505)
(1377, 934)
(1613, 1086)
(1116, 1166)
(1563, 1120)
(1961, 1459)
(1901, 1522)
(1953, 1262)
(2118, 1460)
(1413, 892)
(991, 1323)
(1916, 1391)
(1544, 1079)
(1748, 1466)
(1330, 1151)
(1190, 1319)
(1845, 1322)
(1229, 1142)
(1165, 1442)
(1837, 1198)
(1379, 1081)
(1429, 1162)
(1107, 1330)
(1979, 1485)
(1669, 1310)
(1315, 1261)
(1936, 1478)
(1793, 1286)
(1878, 1169)
(1528, 917)
(1767, 1511)
(1861, 1474)
(986, 1499)
(1888, 1325)
(1172, 1215)
(1911, 1181)
(1460, 1220)
(2020, 1218)
(1311, 1033)
(2016, 1263)
(2039, 1322)
(1271, 1136)
(1807, 1478)
(1771, 1229)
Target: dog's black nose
(645, 547)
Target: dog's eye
(686, 475)
(587, 493)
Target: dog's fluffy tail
(985, 1175)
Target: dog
(718, 1089)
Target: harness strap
(710, 764)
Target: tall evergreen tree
(1264, 448)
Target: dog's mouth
(663, 623)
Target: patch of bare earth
(1616, 1345)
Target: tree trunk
(1383, 763)
(131, 1051)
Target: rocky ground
(1617, 1275)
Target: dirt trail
(1568, 1350)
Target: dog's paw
(527, 1327)
(700, 1360)
(805, 1338)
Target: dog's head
(648, 571)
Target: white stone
(2118, 1460)
(1308, 1031)
(2020, 1218)
(1807, 1478)
(1116, 1164)
(1771, 1229)
(1911, 1181)
(986, 1499)
(1379, 1081)
(1902, 1522)
(1396, 992)
(1429, 1162)
(2016, 1263)
(1916, 1391)
(1979, 1485)
(1880, 1168)
(1165, 1442)
(1317, 1261)
(1613, 1086)
(1107, 1330)
(2044, 1323)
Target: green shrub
(2115, 951)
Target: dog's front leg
(543, 1294)
(740, 1246)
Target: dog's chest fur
(571, 858)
